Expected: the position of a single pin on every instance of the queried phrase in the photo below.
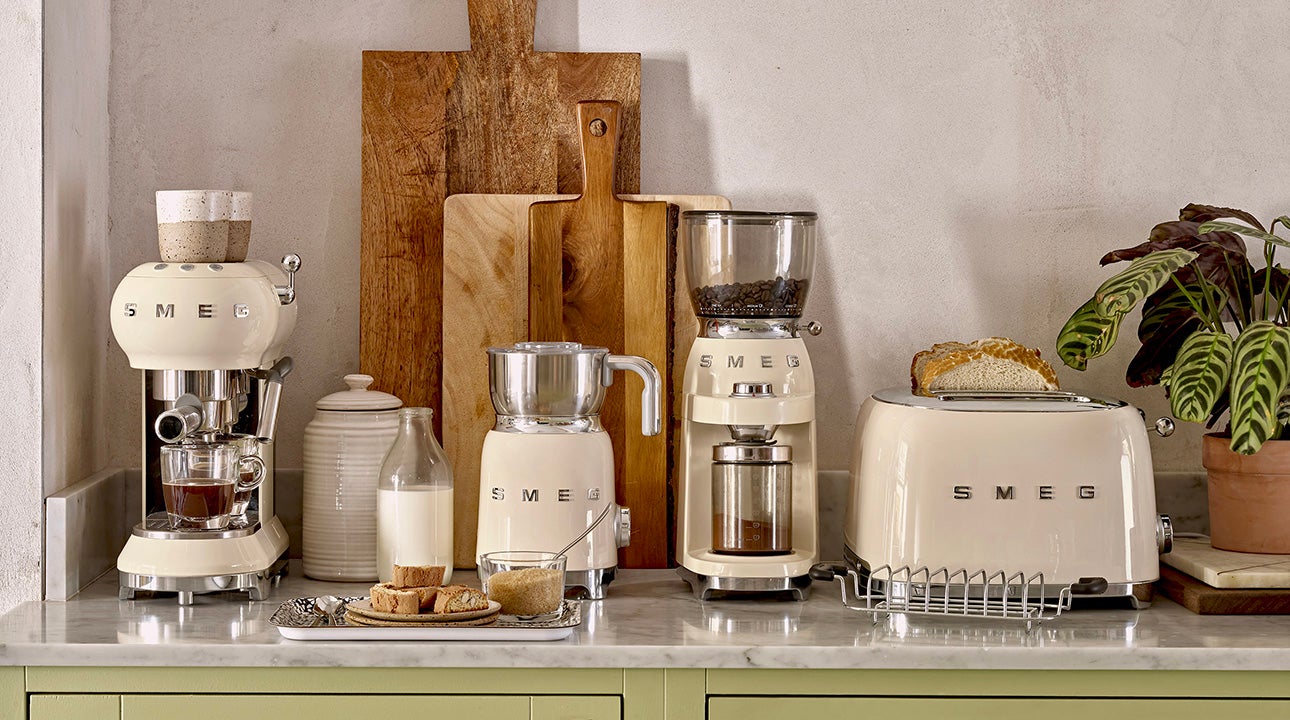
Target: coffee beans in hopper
(781, 297)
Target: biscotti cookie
(387, 598)
(409, 576)
(459, 598)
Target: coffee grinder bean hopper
(747, 519)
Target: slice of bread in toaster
(993, 363)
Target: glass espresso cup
(251, 475)
(199, 481)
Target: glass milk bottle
(414, 499)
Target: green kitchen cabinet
(143, 693)
(77, 707)
(764, 708)
(323, 707)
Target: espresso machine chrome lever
(291, 264)
(651, 396)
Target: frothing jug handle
(651, 396)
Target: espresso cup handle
(259, 470)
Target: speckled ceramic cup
(193, 225)
(239, 227)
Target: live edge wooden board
(599, 269)
(493, 119)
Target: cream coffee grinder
(547, 468)
(209, 338)
(746, 510)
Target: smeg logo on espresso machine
(737, 361)
(532, 495)
(203, 310)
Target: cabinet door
(81, 707)
(322, 707)
(764, 708)
(577, 707)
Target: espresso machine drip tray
(257, 585)
(157, 525)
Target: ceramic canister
(345, 443)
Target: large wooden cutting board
(487, 265)
(489, 120)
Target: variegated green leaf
(1199, 375)
(1123, 291)
(1246, 230)
(1260, 374)
(1086, 335)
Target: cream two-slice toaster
(1043, 482)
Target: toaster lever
(827, 571)
(1089, 586)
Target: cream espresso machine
(547, 468)
(747, 518)
(209, 338)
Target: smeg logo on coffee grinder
(737, 361)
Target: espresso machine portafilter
(209, 338)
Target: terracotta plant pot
(1249, 496)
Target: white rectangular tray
(296, 620)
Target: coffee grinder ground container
(209, 338)
(747, 518)
(547, 467)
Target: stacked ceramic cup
(344, 445)
(203, 226)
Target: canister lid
(358, 397)
(752, 453)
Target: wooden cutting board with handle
(489, 120)
(488, 264)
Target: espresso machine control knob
(290, 264)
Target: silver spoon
(325, 608)
(599, 518)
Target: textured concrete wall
(970, 161)
(77, 269)
(20, 291)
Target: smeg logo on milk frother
(737, 361)
(535, 495)
(204, 310)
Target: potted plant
(1213, 333)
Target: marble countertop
(649, 620)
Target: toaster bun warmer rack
(958, 593)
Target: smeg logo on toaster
(1009, 492)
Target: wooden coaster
(355, 619)
(364, 607)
